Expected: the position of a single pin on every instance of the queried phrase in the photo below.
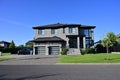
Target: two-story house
(50, 39)
(4, 44)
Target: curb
(87, 63)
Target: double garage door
(53, 50)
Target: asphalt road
(59, 72)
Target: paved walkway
(30, 60)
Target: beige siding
(47, 33)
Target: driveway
(31, 60)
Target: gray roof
(59, 25)
(48, 39)
(4, 42)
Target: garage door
(53, 50)
(41, 50)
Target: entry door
(53, 50)
(73, 42)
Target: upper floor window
(71, 30)
(87, 32)
(41, 32)
(53, 31)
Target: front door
(72, 42)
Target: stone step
(73, 51)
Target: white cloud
(13, 22)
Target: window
(89, 43)
(71, 30)
(53, 31)
(88, 32)
(41, 32)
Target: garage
(54, 50)
(41, 50)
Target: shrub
(88, 51)
(64, 51)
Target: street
(59, 72)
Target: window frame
(72, 30)
(63, 30)
(41, 32)
(53, 31)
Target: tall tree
(12, 44)
(109, 40)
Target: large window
(71, 30)
(89, 43)
(41, 32)
(87, 32)
(53, 31)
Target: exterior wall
(60, 33)
(2, 44)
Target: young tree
(12, 44)
(109, 40)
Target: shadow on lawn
(33, 77)
(112, 59)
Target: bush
(64, 51)
(88, 51)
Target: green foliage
(12, 44)
(6, 54)
(21, 46)
(109, 40)
(64, 51)
(3, 59)
(88, 51)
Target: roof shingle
(59, 25)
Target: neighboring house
(50, 39)
(4, 44)
(29, 43)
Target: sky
(17, 17)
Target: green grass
(6, 54)
(91, 58)
(3, 59)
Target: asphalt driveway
(31, 60)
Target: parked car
(24, 51)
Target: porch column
(84, 42)
(67, 42)
(78, 42)
(47, 50)
(60, 49)
(33, 50)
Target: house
(29, 43)
(50, 39)
(4, 44)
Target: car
(24, 51)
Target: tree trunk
(107, 48)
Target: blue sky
(17, 17)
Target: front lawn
(91, 58)
(6, 54)
(3, 59)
